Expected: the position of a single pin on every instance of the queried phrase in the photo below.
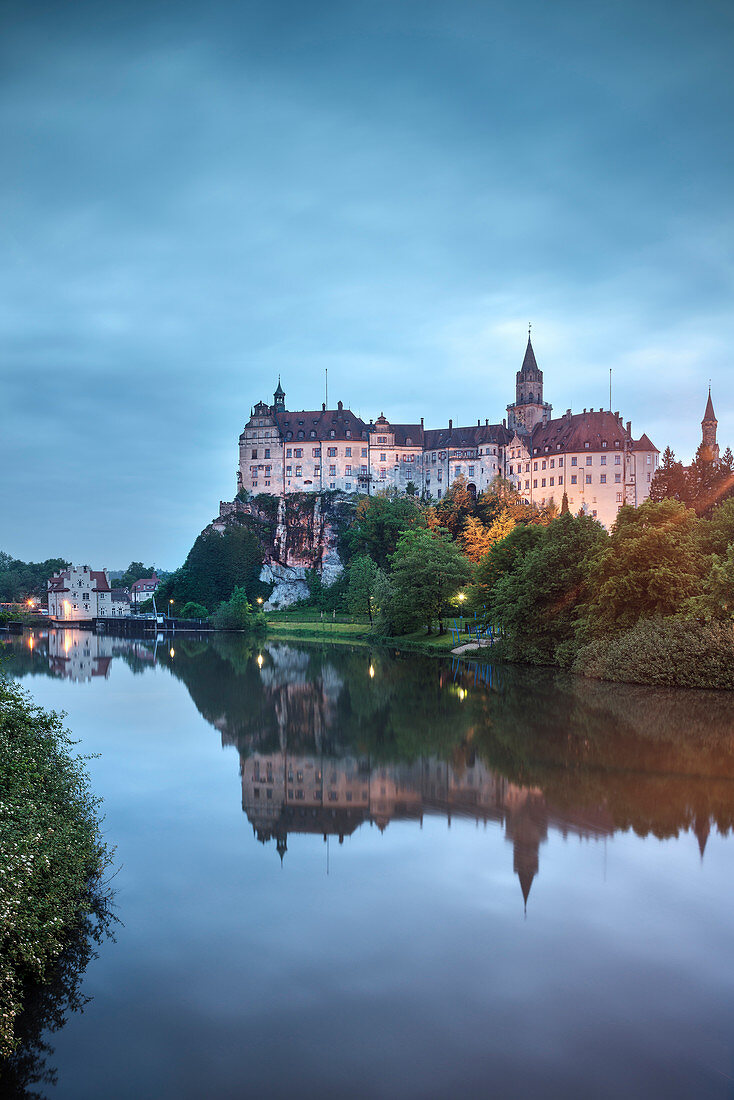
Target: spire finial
(530, 325)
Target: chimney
(323, 406)
(451, 424)
(340, 405)
(584, 410)
(504, 422)
(568, 413)
(486, 422)
(479, 423)
(616, 415)
(629, 428)
(421, 422)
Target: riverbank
(52, 857)
(307, 626)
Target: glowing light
(259, 599)
(462, 597)
(259, 660)
(372, 672)
(30, 642)
(462, 694)
(172, 652)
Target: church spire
(708, 432)
(709, 416)
(279, 397)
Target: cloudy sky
(196, 197)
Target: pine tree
(564, 503)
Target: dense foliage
(700, 486)
(20, 580)
(215, 566)
(236, 613)
(51, 855)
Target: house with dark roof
(78, 594)
(143, 589)
(590, 456)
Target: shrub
(673, 652)
(52, 856)
(193, 610)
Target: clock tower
(529, 408)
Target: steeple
(708, 431)
(279, 398)
(529, 408)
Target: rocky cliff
(298, 533)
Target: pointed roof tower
(708, 432)
(529, 363)
(709, 416)
(279, 397)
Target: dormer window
(289, 435)
(300, 422)
(348, 434)
(616, 442)
(603, 442)
(332, 433)
(300, 434)
(586, 444)
(313, 434)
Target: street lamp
(259, 599)
(170, 609)
(259, 660)
(372, 671)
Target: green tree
(379, 522)
(564, 504)
(503, 558)
(235, 613)
(193, 610)
(361, 585)
(215, 566)
(538, 603)
(455, 507)
(652, 564)
(670, 481)
(716, 598)
(428, 569)
(134, 572)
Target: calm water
(345, 873)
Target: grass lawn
(307, 625)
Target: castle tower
(708, 432)
(279, 398)
(529, 408)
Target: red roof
(100, 579)
(145, 584)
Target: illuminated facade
(591, 456)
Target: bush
(672, 652)
(193, 610)
(52, 856)
(237, 614)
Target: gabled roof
(120, 595)
(644, 443)
(572, 433)
(145, 583)
(709, 414)
(408, 435)
(322, 422)
(435, 439)
(100, 579)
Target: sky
(198, 197)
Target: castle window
(312, 433)
(348, 452)
(348, 485)
(617, 460)
(603, 460)
(298, 452)
(364, 452)
(589, 460)
(254, 452)
(618, 479)
(267, 452)
(543, 482)
(616, 442)
(560, 481)
(574, 461)
(619, 498)
(586, 444)
(551, 481)
(588, 479)
(603, 442)
(574, 479)
(603, 479)
(543, 465)
(332, 433)
(289, 453)
(511, 470)
(552, 463)
(348, 434)
(288, 471)
(331, 452)
(316, 452)
(382, 458)
(299, 471)
(535, 483)
(332, 471)
(383, 473)
(535, 466)
(348, 470)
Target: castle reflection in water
(332, 740)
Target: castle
(590, 456)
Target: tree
(192, 610)
(455, 506)
(428, 569)
(134, 572)
(235, 613)
(475, 540)
(379, 522)
(716, 599)
(538, 603)
(503, 557)
(669, 481)
(564, 504)
(652, 564)
(361, 585)
(215, 566)
(706, 483)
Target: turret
(279, 398)
(708, 432)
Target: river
(345, 872)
